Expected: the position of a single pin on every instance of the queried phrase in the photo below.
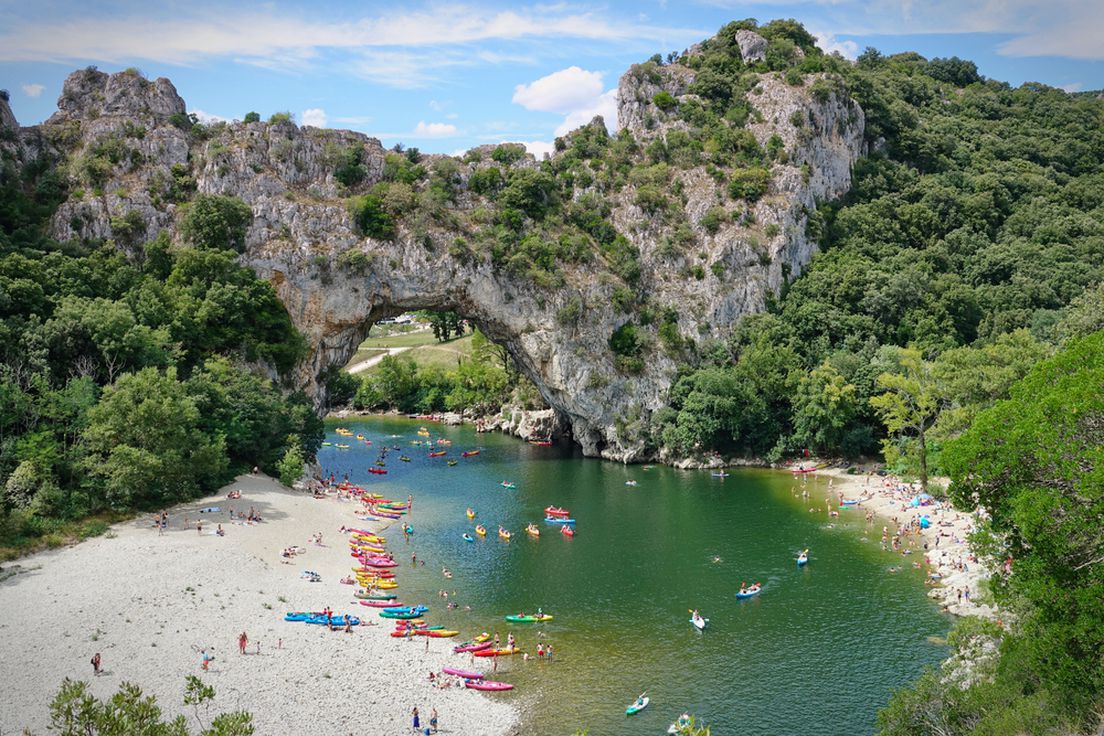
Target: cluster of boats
(552, 515)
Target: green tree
(291, 464)
(823, 407)
(908, 408)
(216, 221)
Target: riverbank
(955, 574)
(151, 603)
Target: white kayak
(638, 705)
(699, 623)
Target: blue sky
(448, 76)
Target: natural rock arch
(336, 282)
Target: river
(817, 652)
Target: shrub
(349, 168)
(508, 153)
(280, 117)
(713, 218)
(217, 222)
(750, 183)
(625, 341)
(664, 101)
(252, 117)
(371, 218)
(570, 313)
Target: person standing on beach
(242, 641)
(433, 720)
(417, 722)
(96, 663)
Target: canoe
(554, 511)
(462, 673)
(377, 471)
(558, 520)
(336, 620)
(506, 484)
(638, 705)
(376, 597)
(749, 593)
(376, 604)
(719, 475)
(532, 530)
(488, 685)
(440, 453)
(470, 513)
(470, 453)
(504, 534)
(527, 618)
(407, 609)
(481, 530)
(699, 623)
(468, 537)
(567, 531)
(472, 646)
(438, 633)
(395, 614)
(500, 652)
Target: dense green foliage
(1034, 461)
(974, 234)
(133, 380)
(74, 711)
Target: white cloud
(314, 116)
(207, 117)
(575, 93)
(562, 91)
(437, 105)
(433, 130)
(1071, 87)
(33, 90)
(828, 44)
(354, 119)
(260, 36)
(537, 148)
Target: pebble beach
(152, 603)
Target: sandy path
(366, 364)
(150, 603)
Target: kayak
(471, 514)
(638, 705)
(528, 618)
(802, 561)
(722, 474)
(395, 614)
(472, 647)
(532, 530)
(699, 623)
(470, 453)
(438, 454)
(484, 637)
(678, 725)
(376, 604)
(407, 609)
(554, 511)
(567, 531)
(438, 633)
(558, 520)
(377, 597)
(504, 534)
(500, 652)
(748, 593)
(377, 471)
(462, 673)
(488, 685)
(468, 537)
(481, 530)
(507, 484)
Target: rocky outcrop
(7, 118)
(528, 424)
(753, 47)
(133, 164)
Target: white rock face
(753, 47)
(303, 241)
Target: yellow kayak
(471, 514)
(503, 533)
(480, 530)
(532, 530)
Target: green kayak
(528, 618)
(403, 616)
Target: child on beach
(96, 663)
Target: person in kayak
(743, 588)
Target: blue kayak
(468, 537)
(557, 520)
(748, 594)
(406, 609)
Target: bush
(371, 218)
(508, 153)
(217, 222)
(252, 117)
(750, 183)
(713, 218)
(349, 168)
(664, 101)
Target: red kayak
(501, 652)
(470, 453)
(438, 454)
(488, 685)
(553, 511)
(377, 471)
(473, 647)
(462, 673)
(567, 531)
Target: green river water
(818, 652)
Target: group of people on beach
(417, 721)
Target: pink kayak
(380, 604)
(463, 673)
(474, 647)
(488, 685)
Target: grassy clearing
(401, 340)
(440, 354)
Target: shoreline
(955, 574)
(151, 603)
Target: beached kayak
(462, 673)
(396, 614)
(488, 685)
(528, 618)
(407, 609)
(500, 652)
(377, 597)
(638, 705)
(377, 604)
(472, 646)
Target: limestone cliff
(134, 160)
